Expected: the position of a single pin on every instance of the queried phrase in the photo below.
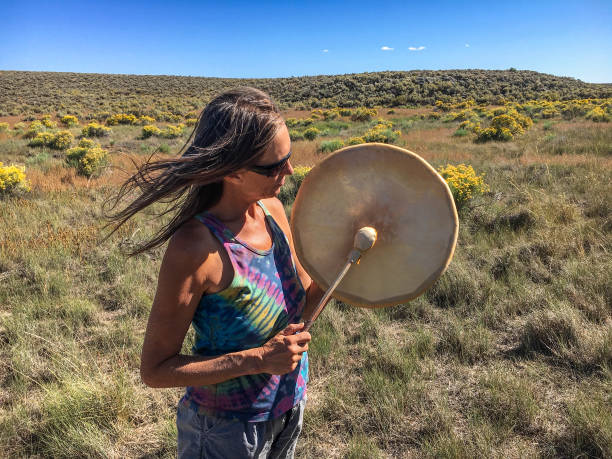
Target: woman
(230, 270)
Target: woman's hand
(282, 353)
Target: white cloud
(414, 48)
(326, 50)
(467, 45)
(386, 48)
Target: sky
(257, 39)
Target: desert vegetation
(508, 354)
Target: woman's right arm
(182, 280)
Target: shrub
(296, 135)
(88, 160)
(61, 140)
(505, 126)
(168, 116)
(463, 182)
(330, 114)
(291, 122)
(13, 180)
(391, 112)
(4, 127)
(144, 120)
(329, 146)
(86, 143)
(42, 139)
(46, 122)
(150, 131)
(345, 112)
(19, 126)
(121, 118)
(470, 126)
(69, 120)
(172, 131)
(35, 128)
(311, 133)
(191, 121)
(355, 141)
(598, 115)
(363, 114)
(381, 132)
(95, 130)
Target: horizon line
(305, 76)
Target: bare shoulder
(275, 207)
(189, 250)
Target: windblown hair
(232, 133)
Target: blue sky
(282, 39)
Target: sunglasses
(270, 170)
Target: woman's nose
(288, 168)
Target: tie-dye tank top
(264, 297)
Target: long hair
(232, 132)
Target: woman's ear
(235, 178)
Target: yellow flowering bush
(291, 122)
(463, 182)
(144, 120)
(121, 118)
(4, 127)
(13, 179)
(345, 112)
(363, 114)
(191, 121)
(168, 116)
(62, 140)
(355, 141)
(311, 133)
(87, 143)
(58, 141)
(35, 128)
(150, 131)
(597, 114)
(94, 129)
(42, 139)
(46, 122)
(294, 135)
(505, 126)
(172, 131)
(69, 120)
(331, 114)
(88, 159)
(382, 132)
(471, 126)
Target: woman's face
(269, 186)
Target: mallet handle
(323, 302)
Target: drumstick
(364, 240)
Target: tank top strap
(278, 232)
(219, 230)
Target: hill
(24, 93)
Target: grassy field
(509, 354)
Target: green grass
(508, 354)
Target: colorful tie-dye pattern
(264, 296)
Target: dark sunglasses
(270, 170)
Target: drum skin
(392, 190)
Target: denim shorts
(201, 436)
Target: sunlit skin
(195, 263)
